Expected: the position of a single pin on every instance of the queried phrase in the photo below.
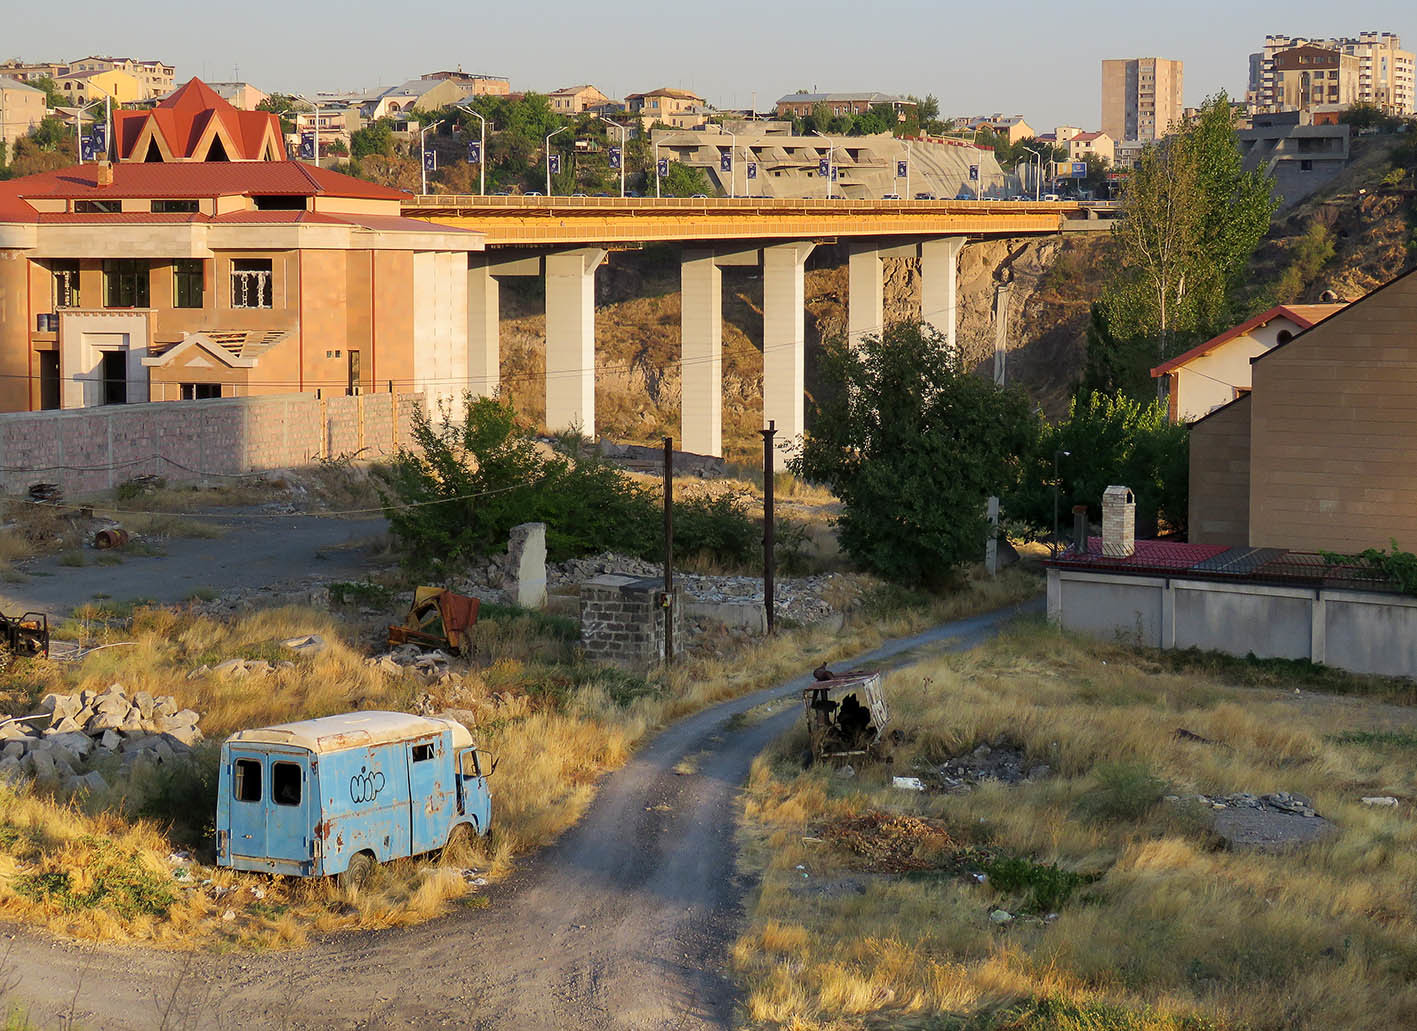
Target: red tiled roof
(184, 116)
(1304, 316)
(1161, 556)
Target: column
(484, 311)
(866, 297)
(939, 271)
(784, 340)
(570, 339)
(701, 360)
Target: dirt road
(624, 923)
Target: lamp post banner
(615, 158)
(474, 153)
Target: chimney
(1119, 523)
(105, 174)
(1080, 531)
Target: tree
(374, 138)
(53, 95)
(283, 107)
(913, 446)
(1191, 220)
(684, 181)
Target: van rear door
(430, 791)
(287, 812)
(248, 803)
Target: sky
(1041, 60)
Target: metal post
(769, 559)
(622, 154)
(668, 551)
(422, 156)
(548, 159)
(908, 163)
(656, 168)
(732, 164)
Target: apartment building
(204, 264)
(1315, 79)
(1141, 97)
(1011, 127)
(111, 83)
(840, 104)
(21, 109)
(1386, 74)
(575, 99)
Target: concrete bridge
(565, 239)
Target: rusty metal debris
(46, 493)
(846, 713)
(438, 618)
(110, 537)
(24, 635)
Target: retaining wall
(1361, 631)
(92, 449)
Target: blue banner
(86, 149)
(615, 158)
(901, 169)
(554, 163)
(307, 146)
(1079, 170)
(474, 153)
(662, 168)
(823, 166)
(752, 169)
(430, 160)
(100, 139)
(974, 173)
(725, 162)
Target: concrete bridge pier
(939, 274)
(484, 314)
(570, 339)
(701, 356)
(865, 293)
(785, 339)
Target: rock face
(526, 566)
(90, 729)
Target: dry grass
(556, 725)
(1173, 933)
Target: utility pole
(769, 559)
(668, 551)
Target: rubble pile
(73, 733)
(1262, 823)
(429, 666)
(1000, 761)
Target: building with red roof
(204, 263)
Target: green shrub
(1124, 791)
(360, 592)
(181, 796)
(118, 882)
(1045, 887)
(717, 526)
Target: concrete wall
(1354, 630)
(94, 449)
(1334, 430)
(1220, 477)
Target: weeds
(1124, 791)
(366, 593)
(1044, 887)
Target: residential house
(475, 85)
(1011, 127)
(1096, 144)
(205, 264)
(1212, 374)
(661, 105)
(411, 96)
(24, 71)
(21, 109)
(841, 105)
(240, 95)
(335, 124)
(574, 100)
(156, 78)
(1321, 453)
(83, 87)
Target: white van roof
(353, 730)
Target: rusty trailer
(846, 713)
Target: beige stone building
(205, 264)
(662, 104)
(575, 99)
(1091, 144)
(113, 84)
(1314, 79)
(1386, 73)
(1212, 374)
(21, 109)
(1011, 127)
(1141, 97)
(1322, 453)
(475, 84)
(240, 95)
(840, 104)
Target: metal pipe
(622, 154)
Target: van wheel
(459, 840)
(360, 870)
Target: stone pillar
(939, 273)
(484, 313)
(701, 368)
(784, 340)
(866, 296)
(526, 566)
(1001, 329)
(570, 339)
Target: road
(253, 551)
(624, 923)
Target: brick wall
(1220, 477)
(93, 449)
(622, 620)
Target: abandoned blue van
(338, 795)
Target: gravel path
(623, 923)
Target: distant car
(964, 195)
(1051, 197)
(1018, 196)
(580, 195)
(924, 196)
(698, 196)
(890, 196)
(533, 193)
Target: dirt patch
(882, 842)
(1262, 823)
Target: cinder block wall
(94, 449)
(1220, 477)
(623, 620)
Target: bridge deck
(530, 221)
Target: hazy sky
(1038, 59)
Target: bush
(1044, 886)
(716, 526)
(1124, 791)
(181, 796)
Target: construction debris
(1262, 823)
(110, 537)
(438, 619)
(46, 493)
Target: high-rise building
(1386, 74)
(1141, 97)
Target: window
(98, 207)
(125, 283)
(173, 207)
(422, 753)
(187, 283)
(246, 780)
(66, 283)
(251, 283)
(1306, 166)
(285, 783)
(200, 391)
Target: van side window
(246, 780)
(285, 783)
(422, 753)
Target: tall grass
(1161, 931)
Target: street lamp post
(548, 158)
(732, 164)
(316, 106)
(831, 162)
(79, 127)
(656, 168)
(622, 154)
(1056, 455)
(979, 188)
(481, 152)
(1038, 174)
(422, 154)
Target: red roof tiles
(183, 121)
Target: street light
(481, 151)
(422, 151)
(622, 154)
(732, 162)
(316, 106)
(79, 126)
(1037, 175)
(656, 165)
(831, 155)
(1056, 455)
(548, 158)
(979, 189)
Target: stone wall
(92, 449)
(623, 619)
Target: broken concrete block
(201, 671)
(14, 750)
(143, 702)
(1379, 800)
(111, 740)
(42, 763)
(65, 726)
(132, 723)
(76, 744)
(165, 705)
(526, 564)
(91, 783)
(309, 644)
(15, 731)
(230, 668)
(60, 705)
